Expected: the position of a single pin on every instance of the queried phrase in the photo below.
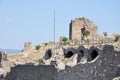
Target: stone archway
(69, 54)
(48, 54)
(92, 55)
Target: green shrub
(46, 44)
(105, 33)
(86, 33)
(37, 47)
(39, 60)
(117, 37)
(65, 39)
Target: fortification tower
(79, 24)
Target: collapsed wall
(101, 65)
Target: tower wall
(76, 26)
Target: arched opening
(48, 54)
(80, 55)
(93, 55)
(69, 54)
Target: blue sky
(32, 20)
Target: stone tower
(80, 24)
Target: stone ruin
(74, 64)
(71, 56)
(90, 58)
(3, 59)
(28, 45)
(79, 25)
(4, 64)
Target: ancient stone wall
(105, 67)
(30, 72)
(76, 26)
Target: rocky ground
(30, 56)
(100, 65)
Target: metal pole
(54, 26)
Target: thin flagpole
(54, 26)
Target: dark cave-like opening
(80, 55)
(69, 54)
(93, 55)
(48, 54)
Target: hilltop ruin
(93, 57)
(79, 25)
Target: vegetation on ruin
(46, 44)
(65, 39)
(86, 33)
(117, 37)
(37, 47)
(39, 60)
(105, 33)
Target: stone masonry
(80, 24)
(105, 67)
(3, 59)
